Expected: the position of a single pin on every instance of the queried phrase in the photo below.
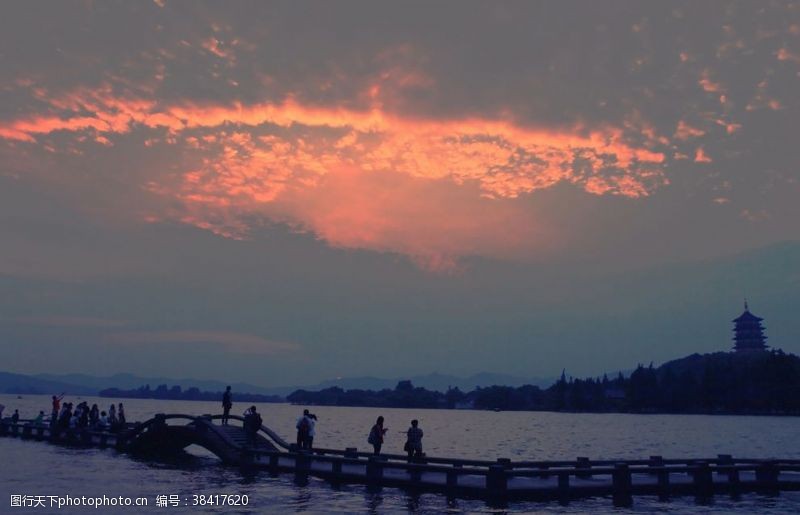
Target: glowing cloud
(288, 162)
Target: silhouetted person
(94, 415)
(39, 420)
(65, 416)
(15, 416)
(306, 430)
(227, 404)
(302, 426)
(55, 414)
(102, 422)
(376, 435)
(121, 414)
(414, 440)
(112, 416)
(252, 423)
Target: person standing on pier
(302, 426)
(252, 424)
(376, 435)
(56, 408)
(305, 430)
(414, 442)
(15, 416)
(121, 415)
(112, 416)
(312, 419)
(94, 415)
(227, 404)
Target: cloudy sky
(285, 192)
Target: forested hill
(753, 383)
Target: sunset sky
(285, 192)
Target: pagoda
(748, 332)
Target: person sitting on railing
(15, 416)
(376, 435)
(413, 444)
(39, 420)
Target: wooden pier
(499, 481)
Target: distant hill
(130, 381)
(22, 384)
(434, 382)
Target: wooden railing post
(655, 462)
(583, 463)
(302, 464)
(374, 469)
(621, 485)
(663, 484)
(452, 478)
(563, 487)
(497, 481)
(724, 460)
(703, 482)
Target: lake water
(36, 468)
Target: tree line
(177, 393)
(730, 383)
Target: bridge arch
(228, 442)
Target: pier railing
(499, 479)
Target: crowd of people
(66, 415)
(81, 416)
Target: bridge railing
(617, 480)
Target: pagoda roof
(747, 317)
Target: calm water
(36, 468)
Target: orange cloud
(686, 131)
(700, 156)
(360, 178)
